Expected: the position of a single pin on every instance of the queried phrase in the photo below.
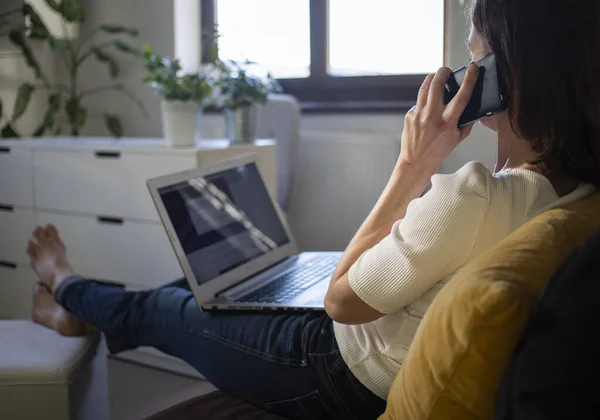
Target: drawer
(16, 176)
(137, 254)
(16, 289)
(16, 226)
(109, 183)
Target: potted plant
(241, 93)
(67, 97)
(183, 97)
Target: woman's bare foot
(48, 257)
(50, 314)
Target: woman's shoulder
(473, 179)
(474, 182)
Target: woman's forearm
(406, 183)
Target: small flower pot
(241, 123)
(180, 121)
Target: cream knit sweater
(461, 216)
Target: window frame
(321, 92)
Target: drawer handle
(7, 264)
(7, 208)
(107, 155)
(5, 150)
(110, 220)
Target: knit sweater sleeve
(435, 239)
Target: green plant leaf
(22, 101)
(54, 5)
(38, 29)
(39, 132)
(54, 102)
(126, 48)
(109, 60)
(148, 50)
(17, 38)
(113, 125)
(72, 11)
(38, 32)
(75, 113)
(30, 12)
(119, 29)
(8, 132)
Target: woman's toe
(38, 233)
(53, 236)
(52, 232)
(31, 249)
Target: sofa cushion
(214, 406)
(555, 368)
(469, 333)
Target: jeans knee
(171, 306)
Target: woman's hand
(431, 130)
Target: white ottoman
(46, 376)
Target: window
(336, 54)
(385, 37)
(250, 29)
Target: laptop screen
(223, 220)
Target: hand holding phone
(488, 96)
(431, 129)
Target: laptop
(234, 245)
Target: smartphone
(488, 96)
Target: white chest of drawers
(94, 191)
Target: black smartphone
(488, 96)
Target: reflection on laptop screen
(223, 220)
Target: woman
(341, 364)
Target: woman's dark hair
(548, 52)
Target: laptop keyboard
(290, 284)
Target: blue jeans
(289, 364)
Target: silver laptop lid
(223, 224)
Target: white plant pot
(179, 120)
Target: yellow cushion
(468, 335)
